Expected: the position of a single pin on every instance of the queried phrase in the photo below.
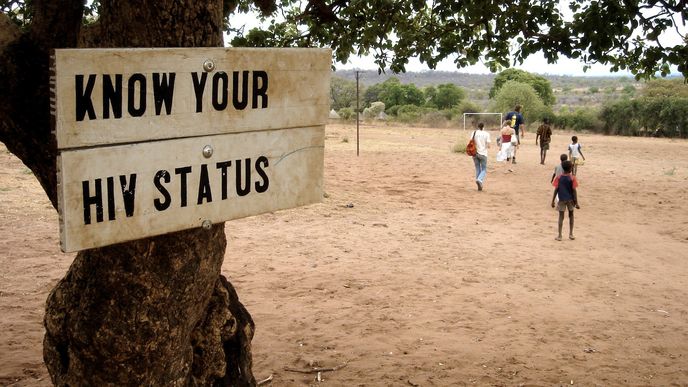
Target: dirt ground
(406, 275)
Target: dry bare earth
(425, 280)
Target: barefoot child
(544, 133)
(575, 153)
(565, 187)
(559, 169)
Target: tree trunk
(150, 312)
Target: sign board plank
(119, 193)
(118, 96)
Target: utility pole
(357, 114)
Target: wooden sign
(154, 141)
(114, 96)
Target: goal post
(499, 124)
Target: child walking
(507, 143)
(565, 187)
(575, 153)
(544, 133)
(559, 169)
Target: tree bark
(150, 312)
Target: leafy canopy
(541, 85)
(625, 35)
(342, 93)
(447, 96)
(514, 93)
(665, 88)
(394, 93)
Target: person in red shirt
(565, 187)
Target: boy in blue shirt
(565, 187)
(518, 123)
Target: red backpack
(470, 147)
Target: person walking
(575, 154)
(518, 123)
(565, 188)
(506, 148)
(482, 142)
(544, 133)
(559, 169)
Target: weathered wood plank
(157, 187)
(116, 96)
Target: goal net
(492, 121)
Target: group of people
(564, 177)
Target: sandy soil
(407, 275)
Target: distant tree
(430, 93)
(465, 106)
(513, 93)
(393, 93)
(647, 116)
(413, 95)
(342, 93)
(390, 92)
(628, 90)
(371, 94)
(578, 120)
(593, 89)
(665, 88)
(541, 85)
(448, 95)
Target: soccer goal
(489, 122)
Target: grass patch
(461, 142)
(670, 172)
(459, 147)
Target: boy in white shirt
(575, 153)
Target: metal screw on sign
(207, 151)
(207, 224)
(208, 65)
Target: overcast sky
(535, 63)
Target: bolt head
(208, 65)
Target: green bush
(410, 113)
(513, 93)
(465, 106)
(346, 113)
(579, 120)
(648, 116)
(374, 110)
(540, 85)
(392, 110)
(434, 119)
